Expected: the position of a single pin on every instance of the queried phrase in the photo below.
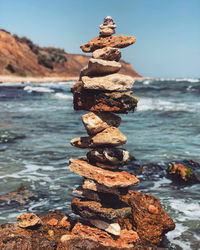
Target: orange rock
(102, 176)
(52, 222)
(28, 220)
(119, 41)
(152, 209)
(64, 223)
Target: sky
(167, 31)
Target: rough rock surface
(28, 220)
(95, 186)
(113, 82)
(148, 217)
(95, 210)
(97, 122)
(119, 41)
(107, 53)
(127, 239)
(110, 155)
(99, 67)
(109, 136)
(102, 176)
(100, 101)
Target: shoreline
(19, 79)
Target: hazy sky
(167, 31)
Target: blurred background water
(37, 122)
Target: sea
(37, 122)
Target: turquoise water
(37, 122)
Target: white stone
(113, 228)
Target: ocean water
(37, 122)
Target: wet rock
(119, 41)
(28, 220)
(112, 228)
(127, 239)
(9, 137)
(96, 210)
(102, 176)
(185, 171)
(108, 53)
(110, 155)
(100, 101)
(151, 224)
(97, 122)
(52, 222)
(95, 186)
(113, 82)
(110, 136)
(99, 67)
(20, 196)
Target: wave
(30, 89)
(149, 104)
(63, 96)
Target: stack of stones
(102, 90)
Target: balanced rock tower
(110, 212)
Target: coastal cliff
(19, 56)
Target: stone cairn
(107, 204)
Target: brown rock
(151, 227)
(28, 220)
(99, 67)
(120, 41)
(52, 222)
(100, 101)
(97, 122)
(113, 82)
(126, 239)
(96, 210)
(102, 176)
(110, 136)
(107, 53)
(94, 186)
(65, 223)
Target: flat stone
(107, 53)
(80, 232)
(100, 67)
(119, 41)
(107, 31)
(102, 176)
(91, 100)
(113, 82)
(109, 136)
(28, 220)
(95, 210)
(97, 122)
(111, 26)
(112, 228)
(110, 155)
(96, 187)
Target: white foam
(30, 89)
(63, 96)
(146, 104)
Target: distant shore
(17, 79)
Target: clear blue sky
(167, 31)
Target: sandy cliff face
(21, 57)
